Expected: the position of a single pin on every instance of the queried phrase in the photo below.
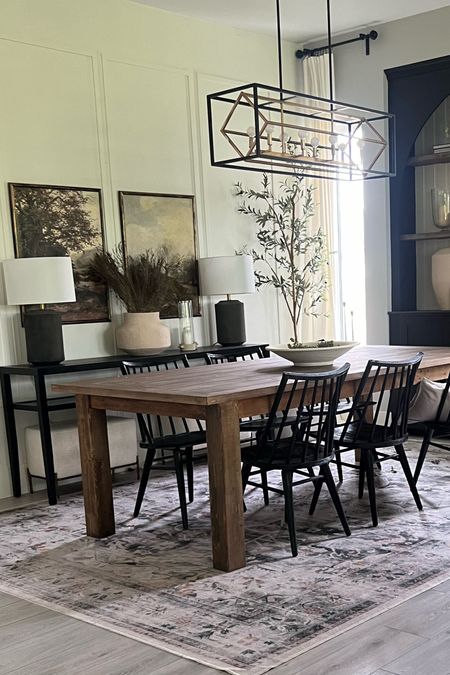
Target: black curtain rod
(301, 53)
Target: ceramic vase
(142, 333)
(440, 277)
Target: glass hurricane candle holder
(440, 204)
(186, 326)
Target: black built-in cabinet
(415, 92)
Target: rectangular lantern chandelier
(257, 127)
(261, 128)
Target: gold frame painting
(164, 222)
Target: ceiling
(301, 20)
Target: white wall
(111, 94)
(361, 80)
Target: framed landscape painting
(161, 222)
(54, 220)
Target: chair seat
(183, 440)
(365, 436)
(303, 456)
(260, 423)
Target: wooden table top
(209, 385)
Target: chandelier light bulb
(333, 139)
(251, 132)
(269, 131)
(315, 141)
(284, 137)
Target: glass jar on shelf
(186, 326)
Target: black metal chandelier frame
(275, 130)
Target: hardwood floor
(411, 639)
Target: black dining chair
(378, 421)
(168, 435)
(437, 428)
(232, 355)
(296, 447)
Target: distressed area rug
(155, 582)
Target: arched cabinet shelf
(419, 96)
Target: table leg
(225, 486)
(46, 437)
(11, 433)
(95, 469)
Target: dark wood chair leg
(190, 473)
(149, 457)
(317, 489)
(409, 477)
(329, 480)
(423, 453)
(368, 463)
(245, 473)
(265, 486)
(179, 472)
(246, 470)
(362, 473)
(138, 468)
(338, 461)
(376, 460)
(289, 509)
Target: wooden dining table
(221, 395)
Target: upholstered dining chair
(439, 427)
(296, 447)
(172, 436)
(377, 421)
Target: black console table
(44, 404)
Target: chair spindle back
(387, 379)
(239, 354)
(309, 437)
(155, 426)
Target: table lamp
(40, 281)
(227, 275)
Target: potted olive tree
(144, 284)
(292, 259)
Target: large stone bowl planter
(142, 333)
(313, 355)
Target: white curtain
(316, 81)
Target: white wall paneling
(107, 94)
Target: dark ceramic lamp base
(230, 322)
(43, 335)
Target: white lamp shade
(226, 275)
(38, 281)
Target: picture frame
(155, 221)
(59, 220)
